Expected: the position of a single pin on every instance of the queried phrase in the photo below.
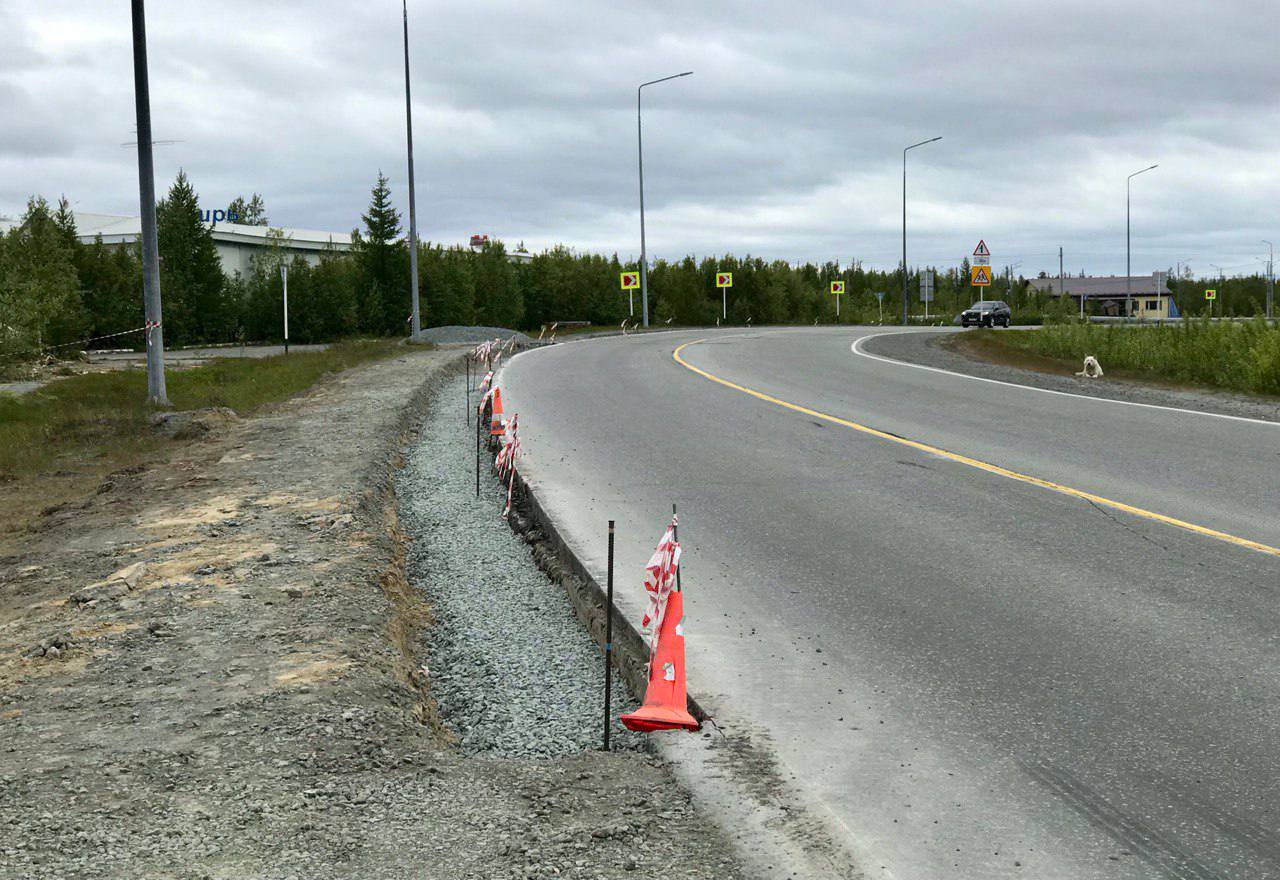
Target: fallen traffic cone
(665, 699)
(497, 427)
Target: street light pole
(156, 394)
(1271, 276)
(1128, 269)
(644, 258)
(415, 326)
(904, 222)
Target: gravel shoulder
(215, 667)
(933, 349)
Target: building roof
(1109, 286)
(118, 228)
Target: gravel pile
(513, 671)
(459, 333)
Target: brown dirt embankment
(210, 668)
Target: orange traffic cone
(496, 426)
(665, 701)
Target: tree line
(58, 291)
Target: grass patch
(1234, 356)
(56, 443)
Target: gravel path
(463, 333)
(513, 671)
(933, 350)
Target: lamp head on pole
(1143, 171)
(654, 82)
(922, 143)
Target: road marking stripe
(857, 349)
(980, 465)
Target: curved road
(976, 676)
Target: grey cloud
(786, 141)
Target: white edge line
(857, 349)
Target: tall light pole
(904, 222)
(415, 326)
(1128, 270)
(1271, 275)
(644, 259)
(156, 393)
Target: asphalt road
(978, 677)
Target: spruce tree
(40, 301)
(384, 278)
(191, 279)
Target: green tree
(111, 285)
(40, 302)
(248, 213)
(498, 300)
(191, 279)
(383, 284)
(261, 290)
(333, 294)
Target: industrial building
(236, 243)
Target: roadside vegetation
(1238, 356)
(56, 292)
(56, 443)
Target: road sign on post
(630, 281)
(980, 276)
(1211, 294)
(880, 304)
(724, 280)
(837, 288)
(926, 290)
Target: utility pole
(416, 321)
(156, 394)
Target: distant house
(236, 243)
(1108, 295)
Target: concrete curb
(554, 556)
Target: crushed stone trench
(512, 669)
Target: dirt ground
(210, 668)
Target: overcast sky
(786, 142)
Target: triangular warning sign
(981, 249)
(980, 276)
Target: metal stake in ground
(478, 421)
(468, 413)
(608, 642)
(675, 533)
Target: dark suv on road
(987, 313)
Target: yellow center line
(980, 465)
